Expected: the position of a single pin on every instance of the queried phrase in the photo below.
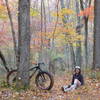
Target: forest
(46, 44)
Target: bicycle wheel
(44, 81)
(11, 77)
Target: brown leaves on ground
(90, 91)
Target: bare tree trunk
(45, 19)
(78, 49)
(49, 10)
(4, 61)
(13, 31)
(62, 4)
(87, 4)
(68, 3)
(41, 51)
(73, 61)
(53, 39)
(24, 43)
(96, 51)
(86, 41)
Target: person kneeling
(77, 80)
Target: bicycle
(43, 80)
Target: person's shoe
(62, 88)
(69, 86)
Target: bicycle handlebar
(40, 63)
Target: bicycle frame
(37, 68)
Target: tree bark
(73, 61)
(4, 61)
(78, 49)
(86, 41)
(13, 31)
(85, 28)
(24, 43)
(96, 51)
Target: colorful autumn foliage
(63, 12)
(62, 36)
(66, 35)
(88, 12)
(3, 12)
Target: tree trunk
(96, 53)
(68, 3)
(78, 49)
(24, 43)
(86, 41)
(73, 61)
(62, 4)
(4, 61)
(13, 31)
(85, 28)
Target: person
(77, 80)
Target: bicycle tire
(50, 77)
(8, 76)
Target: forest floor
(90, 91)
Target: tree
(85, 18)
(65, 21)
(4, 61)
(96, 54)
(24, 43)
(78, 28)
(12, 29)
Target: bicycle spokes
(44, 81)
